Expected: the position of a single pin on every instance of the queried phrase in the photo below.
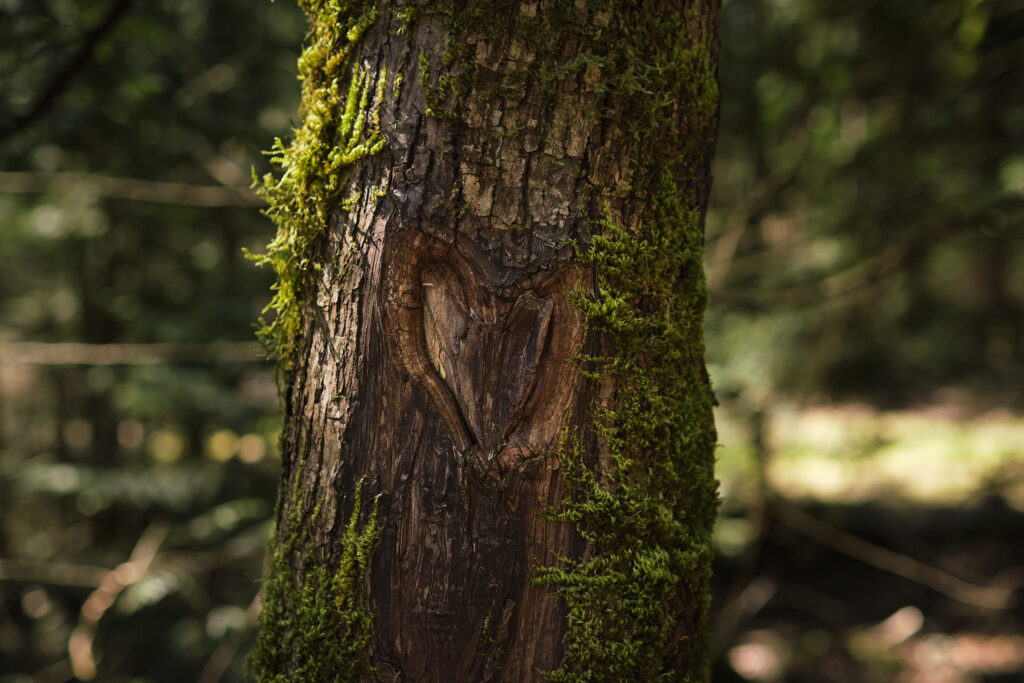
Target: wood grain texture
(496, 360)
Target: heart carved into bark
(495, 358)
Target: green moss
(316, 622)
(647, 512)
(638, 598)
(444, 100)
(336, 132)
(487, 644)
(406, 18)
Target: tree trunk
(498, 445)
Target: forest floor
(861, 545)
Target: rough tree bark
(498, 445)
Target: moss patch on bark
(638, 597)
(340, 113)
(316, 621)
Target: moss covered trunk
(498, 443)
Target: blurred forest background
(865, 336)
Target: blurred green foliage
(175, 91)
(865, 238)
(864, 242)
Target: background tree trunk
(481, 199)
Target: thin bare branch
(738, 221)
(83, 662)
(858, 276)
(228, 648)
(42, 353)
(66, 75)
(132, 189)
(987, 597)
(51, 573)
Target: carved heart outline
(447, 315)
